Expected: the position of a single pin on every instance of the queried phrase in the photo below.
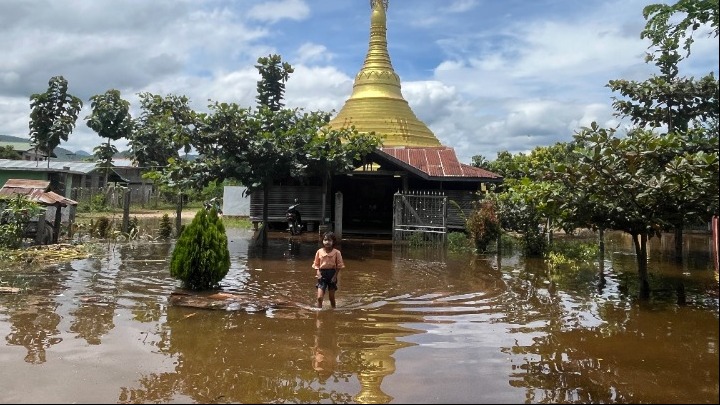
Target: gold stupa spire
(377, 103)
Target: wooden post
(324, 198)
(40, 231)
(58, 222)
(338, 215)
(126, 211)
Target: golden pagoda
(377, 104)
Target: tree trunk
(679, 242)
(107, 165)
(640, 242)
(549, 232)
(178, 215)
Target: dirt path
(188, 213)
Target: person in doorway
(327, 264)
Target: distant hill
(62, 153)
(10, 138)
(81, 155)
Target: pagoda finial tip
(377, 3)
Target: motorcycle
(292, 215)
(214, 203)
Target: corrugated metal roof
(23, 146)
(437, 161)
(27, 183)
(32, 165)
(34, 190)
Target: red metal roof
(35, 190)
(437, 161)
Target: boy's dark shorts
(325, 280)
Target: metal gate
(419, 216)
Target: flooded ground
(413, 325)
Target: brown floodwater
(412, 325)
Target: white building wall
(234, 203)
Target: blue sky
(485, 75)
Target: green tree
(201, 258)
(530, 200)
(481, 162)
(8, 152)
(687, 108)
(110, 118)
(53, 116)
(626, 184)
(510, 166)
(694, 13)
(167, 125)
(271, 88)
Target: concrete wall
(234, 203)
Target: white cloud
(318, 88)
(460, 6)
(309, 52)
(486, 76)
(275, 11)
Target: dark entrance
(367, 203)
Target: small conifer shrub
(165, 230)
(201, 258)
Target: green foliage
(416, 239)
(459, 242)
(53, 117)
(236, 222)
(483, 225)
(101, 228)
(133, 227)
(166, 228)
(693, 12)
(271, 88)
(97, 203)
(15, 213)
(110, 116)
(572, 254)
(166, 125)
(688, 108)
(481, 162)
(519, 208)
(201, 258)
(7, 152)
(111, 119)
(508, 242)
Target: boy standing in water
(327, 264)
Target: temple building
(381, 196)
